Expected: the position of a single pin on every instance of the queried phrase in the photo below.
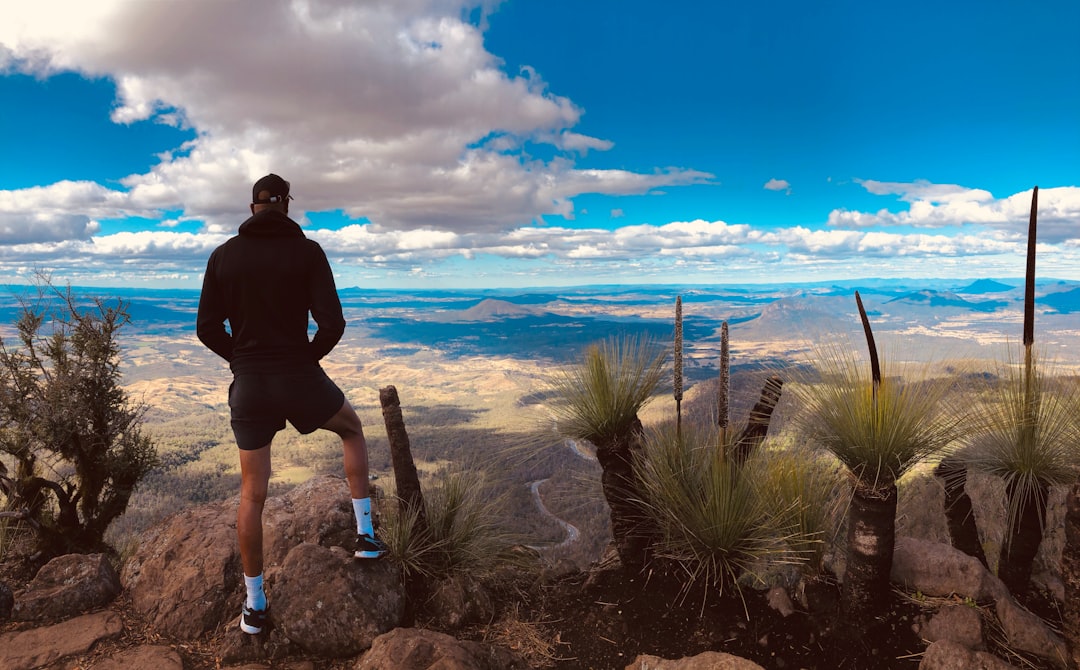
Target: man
(265, 281)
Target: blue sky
(435, 144)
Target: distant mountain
(799, 318)
(931, 298)
(985, 286)
(1062, 301)
(489, 309)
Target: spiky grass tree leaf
(877, 440)
(464, 530)
(711, 518)
(1023, 429)
(598, 399)
(804, 491)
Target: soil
(602, 620)
(608, 622)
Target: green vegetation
(598, 400)
(465, 530)
(878, 427)
(73, 436)
(710, 515)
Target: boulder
(710, 660)
(958, 623)
(1029, 633)
(419, 649)
(158, 657)
(40, 647)
(938, 569)
(66, 586)
(949, 655)
(459, 601)
(185, 577)
(332, 604)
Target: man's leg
(254, 480)
(348, 427)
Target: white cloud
(778, 185)
(952, 206)
(391, 110)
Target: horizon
(486, 144)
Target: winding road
(572, 532)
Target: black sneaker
(252, 621)
(368, 546)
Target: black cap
(275, 188)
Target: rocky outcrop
(148, 656)
(331, 604)
(67, 585)
(185, 577)
(710, 660)
(937, 569)
(458, 601)
(39, 647)
(419, 649)
(949, 655)
(957, 623)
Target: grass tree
(1024, 433)
(706, 506)
(598, 399)
(879, 427)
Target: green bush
(68, 427)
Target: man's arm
(325, 306)
(210, 322)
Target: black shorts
(261, 403)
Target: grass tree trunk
(963, 527)
(1023, 537)
(410, 495)
(757, 427)
(631, 529)
(1070, 573)
(871, 538)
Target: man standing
(265, 281)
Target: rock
(710, 660)
(459, 601)
(318, 511)
(938, 569)
(67, 585)
(419, 649)
(331, 604)
(157, 657)
(780, 601)
(1029, 633)
(7, 601)
(236, 646)
(185, 577)
(957, 623)
(39, 647)
(949, 655)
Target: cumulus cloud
(778, 185)
(390, 110)
(949, 205)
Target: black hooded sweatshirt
(265, 281)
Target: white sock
(362, 508)
(256, 599)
